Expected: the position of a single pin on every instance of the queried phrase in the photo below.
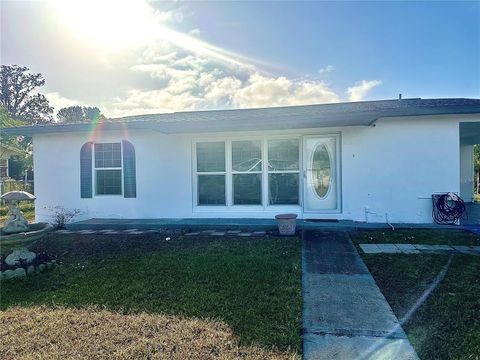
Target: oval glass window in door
(321, 171)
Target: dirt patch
(46, 333)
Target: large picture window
(108, 168)
(236, 173)
(211, 173)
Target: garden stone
(30, 269)
(49, 265)
(19, 273)
(8, 274)
(41, 267)
(14, 258)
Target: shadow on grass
(253, 285)
(447, 324)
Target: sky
(137, 57)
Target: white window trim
(232, 172)
(299, 171)
(7, 174)
(230, 207)
(94, 175)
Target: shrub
(62, 216)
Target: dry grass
(62, 333)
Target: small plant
(62, 216)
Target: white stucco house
(374, 161)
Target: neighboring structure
(6, 152)
(375, 161)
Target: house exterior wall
(388, 172)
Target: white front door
(321, 171)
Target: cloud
(172, 71)
(262, 91)
(326, 69)
(58, 101)
(361, 89)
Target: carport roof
(363, 113)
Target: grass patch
(253, 285)
(40, 332)
(415, 236)
(447, 325)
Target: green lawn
(447, 324)
(253, 285)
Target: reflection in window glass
(321, 170)
(108, 155)
(109, 182)
(283, 188)
(247, 189)
(211, 156)
(246, 156)
(283, 154)
(211, 189)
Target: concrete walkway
(345, 315)
(419, 248)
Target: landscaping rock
(41, 268)
(16, 256)
(19, 273)
(49, 265)
(8, 274)
(30, 269)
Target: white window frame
(232, 172)
(199, 173)
(230, 206)
(300, 144)
(95, 169)
(5, 166)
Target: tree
(16, 87)
(18, 164)
(79, 114)
(7, 121)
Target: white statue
(16, 222)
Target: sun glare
(111, 24)
(123, 24)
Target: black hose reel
(448, 209)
